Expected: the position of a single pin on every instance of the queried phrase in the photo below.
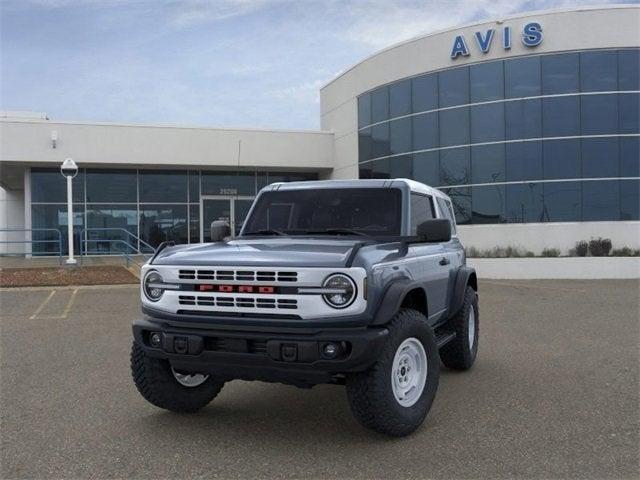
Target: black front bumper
(273, 354)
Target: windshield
(329, 211)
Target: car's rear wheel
(394, 396)
(163, 386)
(460, 353)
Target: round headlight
(341, 290)
(151, 289)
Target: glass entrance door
(232, 210)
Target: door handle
(444, 261)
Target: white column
(70, 260)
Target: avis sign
(531, 37)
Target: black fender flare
(392, 299)
(464, 276)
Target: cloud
(195, 12)
(379, 23)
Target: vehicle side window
(447, 212)
(421, 210)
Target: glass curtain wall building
(153, 205)
(539, 138)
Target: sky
(217, 63)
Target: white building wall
(127, 145)
(538, 236)
(11, 217)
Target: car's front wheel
(394, 396)
(163, 386)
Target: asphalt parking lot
(554, 394)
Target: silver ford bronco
(360, 283)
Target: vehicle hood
(275, 252)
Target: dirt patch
(58, 276)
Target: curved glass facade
(541, 138)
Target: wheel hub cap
(409, 372)
(189, 379)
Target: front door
(232, 210)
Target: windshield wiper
(267, 231)
(337, 231)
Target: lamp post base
(71, 261)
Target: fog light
(330, 350)
(155, 339)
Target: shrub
(624, 252)
(472, 252)
(550, 252)
(600, 247)
(581, 248)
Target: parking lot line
(42, 305)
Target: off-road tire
(371, 394)
(457, 354)
(155, 382)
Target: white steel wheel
(409, 372)
(189, 379)
(472, 327)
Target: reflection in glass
(400, 135)
(562, 201)
(424, 92)
(461, 202)
(524, 203)
(560, 73)
(425, 131)
(523, 119)
(487, 204)
(522, 77)
(630, 200)
(364, 110)
(599, 114)
(380, 104)
(426, 168)
(630, 157)
(487, 81)
(599, 71)
(629, 112)
(108, 186)
(523, 161)
(194, 186)
(487, 163)
(161, 223)
(163, 186)
(115, 218)
(561, 159)
(365, 145)
(194, 223)
(600, 157)
(561, 116)
(629, 69)
(600, 201)
(487, 123)
(454, 87)
(401, 167)
(400, 98)
(55, 216)
(454, 166)
(454, 127)
(380, 140)
(48, 185)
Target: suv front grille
(238, 275)
(238, 302)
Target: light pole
(69, 169)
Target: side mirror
(436, 230)
(219, 230)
